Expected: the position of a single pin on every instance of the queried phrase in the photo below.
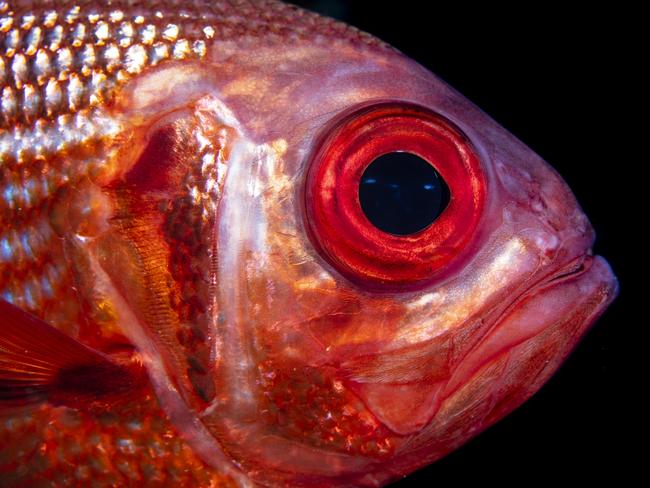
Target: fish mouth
(549, 318)
(582, 288)
(574, 268)
(545, 321)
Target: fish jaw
(524, 349)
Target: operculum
(143, 242)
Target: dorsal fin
(39, 363)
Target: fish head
(227, 234)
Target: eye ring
(338, 226)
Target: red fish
(244, 244)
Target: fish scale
(136, 447)
(88, 54)
(61, 64)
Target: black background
(562, 81)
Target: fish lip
(574, 268)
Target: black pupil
(401, 193)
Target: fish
(192, 288)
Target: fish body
(179, 222)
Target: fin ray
(40, 363)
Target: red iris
(340, 229)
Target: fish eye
(393, 195)
(401, 193)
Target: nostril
(581, 224)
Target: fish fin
(39, 363)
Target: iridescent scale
(61, 65)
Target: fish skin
(286, 316)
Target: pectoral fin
(38, 363)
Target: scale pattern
(65, 447)
(62, 63)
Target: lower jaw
(406, 406)
(570, 301)
(524, 349)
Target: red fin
(39, 363)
